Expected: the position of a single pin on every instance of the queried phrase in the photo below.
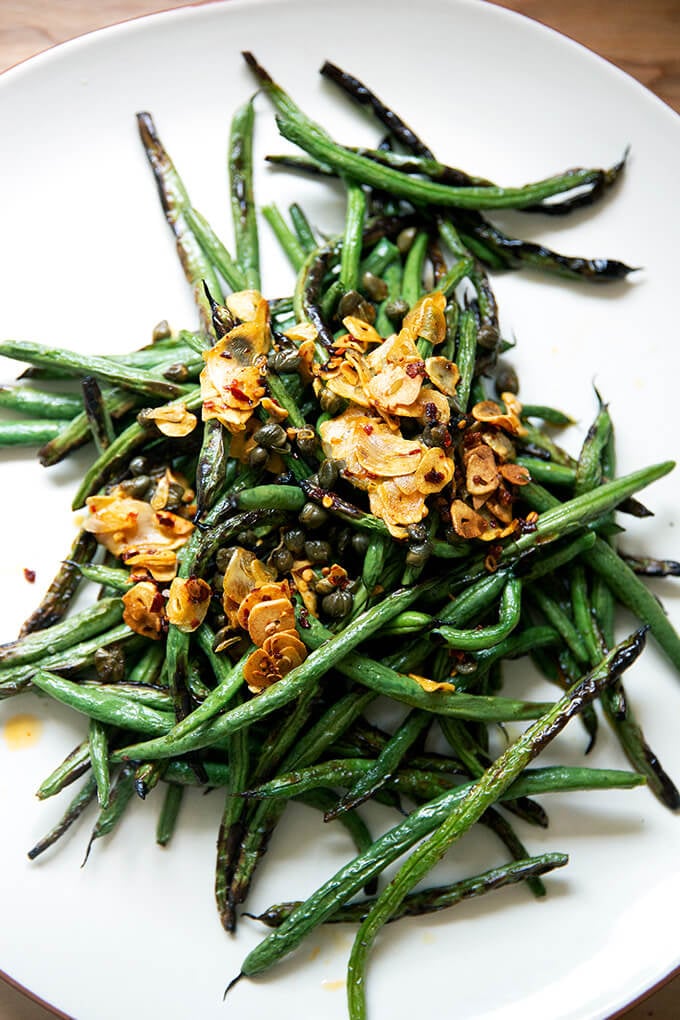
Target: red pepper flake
(368, 429)
(431, 411)
(415, 368)
(29, 575)
(238, 393)
(434, 476)
(156, 603)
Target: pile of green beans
(175, 712)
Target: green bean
(108, 577)
(383, 256)
(16, 678)
(167, 819)
(514, 254)
(561, 622)
(647, 566)
(513, 647)
(332, 724)
(547, 472)
(118, 453)
(412, 280)
(29, 433)
(110, 816)
(494, 820)
(383, 680)
(71, 768)
(41, 404)
(465, 357)
(409, 731)
(63, 586)
(546, 565)
(458, 271)
(485, 792)
(270, 497)
(290, 244)
(139, 380)
(395, 842)
(589, 467)
(583, 614)
(176, 202)
(77, 431)
(550, 415)
(350, 254)
(231, 828)
(307, 674)
(242, 201)
(575, 513)
(146, 694)
(147, 670)
(104, 706)
(99, 758)
(294, 126)
(509, 615)
(95, 619)
(214, 250)
(303, 229)
(82, 799)
(427, 901)
(97, 413)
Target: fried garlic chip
(144, 610)
(188, 603)
(173, 420)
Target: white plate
(87, 261)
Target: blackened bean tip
(232, 983)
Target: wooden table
(640, 36)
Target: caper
(312, 516)
(219, 620)
(324, 587)
(222, 635)
(223, 558)
(246, 538)
(306, 441)
(328, 473)
(396, 310)
(360, 543)
(284, 361)
(175, 496)
(436, 435)
(352, 303)
(282, 559)
(418, 554)
(139, 466)
(349, 302)
(270, 436)
(342, 542)
(109, 664)
(405, 239)
(417, 533)
(223, 319)
(217, 583)
(161, 331)
(176, 372)
(317, 551)
(506, 379)
(258, 457)
(374, 286)
(135, 488)
(488, 337)
(337, 604)
(294, 540)
(330, 403)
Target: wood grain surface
(640, 36)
